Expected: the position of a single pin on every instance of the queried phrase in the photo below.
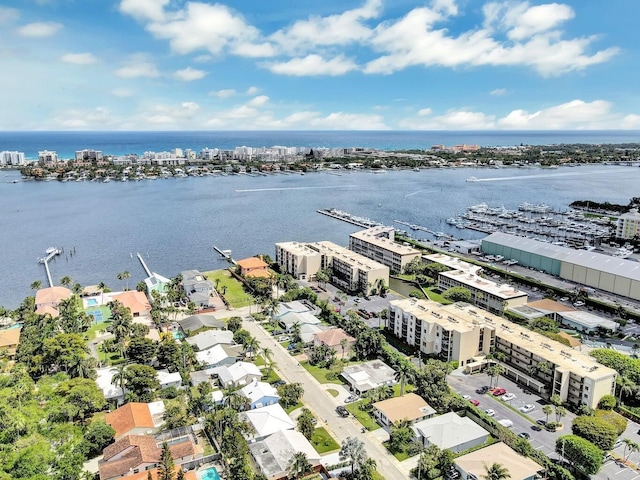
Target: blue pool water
(15, 325)
(178, 335)
(92, 302)
(210, 474)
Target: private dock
(226, 254)
(51, 252)
(144, 265)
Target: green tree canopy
(580, 453)
(598, 431)
(457, 294)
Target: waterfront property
(378, 243)
(369, 375)
(449, 432)
(467, 334)
(47, 299)
(485, 293)
(472, 465)
(608, 273)
(628, 224)
(254, 267)
(410, 407)
(298, 260)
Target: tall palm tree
(496, 471)
(352, 449)
(625, 386)
(299, 465)
(494, 370)
(37, 285)
(547, 410)
(630, 446)
(66, 281)
(404, 373)
(119, 376)
(267, 354)
(251, 345)
(123, 276)
(344, 343)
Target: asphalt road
(323, 405)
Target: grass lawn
(437, 297)
(235, 294)
(407, 389)
(400, 456)
(323, 442)
(95, 328)
(332, 392)
(290, 409)
(363, 417)
(272, 378)
(258, 361)
(320, 374)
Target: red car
(498, 391)
(475, 402)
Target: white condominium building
(463, 333)
(349, 271)
(11, 158)
(485, 293)
(47, 157)
(378, 244)
(628, 225)
(88, 155)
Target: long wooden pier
(226, 254)
(144, 265)
(51, 252)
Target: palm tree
(251, 345)
(119, 376)
(299, 465)
(37, 285)
(626, 386)
(560, 412)
(295, 330)
(496, 472)
(123, 276)
(547, 410)
(631, 446)
(352, 449)
(267, 354)
(494, 370)
(344, 343)
(404, 373)
(66, 281)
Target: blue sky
(347, 65)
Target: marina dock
(349, 218)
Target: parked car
(475, 402)
(527, 408)
(564, 299)
(524, 435)
(343, 412)
(351, 398)
(579, 303)
(279, 383)
(490, 412)
(505, 422)
(541, 422)
(507, 397)
(466, 397)
(498, 391)
(482, 390)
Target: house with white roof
(267, 421)
(219, 356)
(291, 313)
(260, 394)
(109, 390)
(450, 432)
(586, 322)
(238, 374)
(472, 465)
(369, 375)
(272, 455)
(307, 332)
(168, 379)
(210, 338)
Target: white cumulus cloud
(313, 65)
(224, 93)
(145, 10)
(569, 115)
(498, 92)
(79, 58)
(189, 74)
(40, 29)
(138, 69)
(258, 101)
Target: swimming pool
(178, 335)
(92, 302)
(210, 474)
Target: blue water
(91, 302)
(210, 474)
(120, 143)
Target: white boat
(452, 221)
(472, 179)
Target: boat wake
(280, 189)
(420, 191)
(550, 175)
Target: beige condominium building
(485, 293)
(466, 334)
(378, 244)
(349, 271)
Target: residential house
(307, 332)
(9, 339)
(210, 338)
(273, 455)
(50, 297)
(450, 432)
(238, 374)
(105, 383)
(333, 339)
(197, 322)
(136, 418)
(197, 288)
(369, 375)
(472, 465)
(157, 283)
(168, 379)
(260, 394)
(138, 453)
(294, 313)
(410, 407)
(135, 301)
(254, 267)
(220, 355)
(267, 421)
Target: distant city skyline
(331, 65)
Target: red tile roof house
(47, 299)
(138, 453)
(254, 267)
(136, 301)
(332, 338)
(136, 418)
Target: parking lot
(541, 440)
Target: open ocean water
(174, 223)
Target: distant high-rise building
(47, 156)
(11, 158)
(628, 225)
(88, 155)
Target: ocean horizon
(66, 143)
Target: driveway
(323, 404)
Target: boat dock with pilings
(349, 218)
(226, 254)
(51, 252)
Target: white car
(466, 397)
(527, 408)
(490, 412)
(508, 396)
(579, 303)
